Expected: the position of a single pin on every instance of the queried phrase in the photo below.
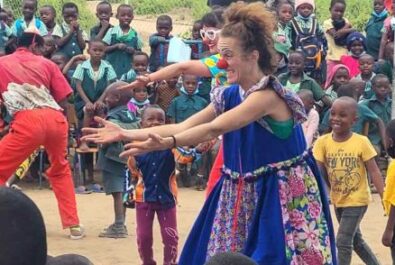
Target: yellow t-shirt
(389, 191)
(345, 165)
(334, 51)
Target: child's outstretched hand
(387, 237)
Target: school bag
(310, 45)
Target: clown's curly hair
(253, 25)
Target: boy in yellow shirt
(345, 158)
(388, 239)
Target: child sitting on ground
(92, 77)
(156, 192)
(366, 63)
(123, 41)
(345, 159)
(159, 42)
(356, 45)
(29, 8)
(103, 14)
(48, 16)
(113, 167)
(69, 36)
(310, 126)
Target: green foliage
(86, 16)
(357, 12)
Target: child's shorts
(113, 182)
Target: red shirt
(25, 67)
(352, 63)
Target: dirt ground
(95, 212)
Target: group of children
(115, 57)
(344, 79)
(342, 76)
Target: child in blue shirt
(69, 36)
(113, 167)
(159, 42)
(123, 41)
(29, 8)
(92, 77)
(156, 192)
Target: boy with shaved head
(345, 159)
(113, 167)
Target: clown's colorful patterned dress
(270, 203)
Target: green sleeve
(365, 113)
(171, 111)
(318, 93)
(283, 78)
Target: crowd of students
(342, 76)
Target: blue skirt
(280, 217)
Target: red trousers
(216, 171)
(29, 130)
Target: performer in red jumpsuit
(38, 120)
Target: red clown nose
(222, 64)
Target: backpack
(310, 45)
